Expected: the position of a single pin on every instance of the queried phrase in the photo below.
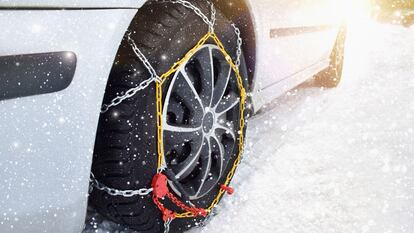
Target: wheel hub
(208, 122)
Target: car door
(292, 36)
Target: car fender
(72, 3)
(47, 140)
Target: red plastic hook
(228, 189)
(159, 185)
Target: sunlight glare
(351, 10)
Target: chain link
(144, 84)
(213, 17)
(207, 219)
(130, 93)
(239, 44)
(167, 225)
(197, 11)
(143, 59)
(116, 192)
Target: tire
(331, 76)
(125, 154)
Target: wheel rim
(339, 55)
(200, 122)
(338, 61)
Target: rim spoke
(206, 165)
(185, 104)
(227, 103)
(175, 114)
(193, 90)
(227, 130)
(221, 153)
(175, 139)
(203, 65)
(210, 88)
(207, 76)
(221, 84)
(180, 129)
(190, 163)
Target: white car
(62, 60)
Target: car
(74, 100)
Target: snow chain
(159, 188)
(116, 192)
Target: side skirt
(265, 95)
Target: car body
(47, 140)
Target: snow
(339, 160)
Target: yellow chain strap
(243, 95)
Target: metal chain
(207, 219)
(144, 84)
(142, 57)
(162, 168)
(167, 225)
(197, 11)
(155, 78)
(130, 93)
(116, 192)
(213, 17)
(239, 44)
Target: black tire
(332, 75)
(125, 155)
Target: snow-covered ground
(338, 160)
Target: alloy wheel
(201, 117)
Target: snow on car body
(47, 140)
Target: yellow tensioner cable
(159, 103)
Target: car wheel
(331, 76)
(201, 117)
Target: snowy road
(340, 160)
(334, 161)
